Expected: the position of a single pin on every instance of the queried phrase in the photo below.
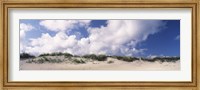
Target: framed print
(100, 45)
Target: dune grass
(96, 57)
(42, 60)
(76, 59)
(125, 58)
(56, 54)
(26, 55)
(109, 62)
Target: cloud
(25, 28)
(152, 56)
(177, 37)
(63, 25)
(46, 43)
(118, 37)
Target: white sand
(104, 65)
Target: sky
(140, 38)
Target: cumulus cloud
(46, 43)
(121, 36)
(63, 25)
(118, 37)
(25, 28)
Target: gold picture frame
(6, 85)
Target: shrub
(43, 60)
(56, 54)
(50, 60)
(55, 61)
(26, 55)
(76, 56)
(91, 56)
(96, 57)
(148, 59)
(68, 55)
(40, 61)
(101, 57)
(77, 61)
(45, 54)
(30, 61)
(109, 62)
(126, 58)
(151, 60)
(167, 59)
(46, 59)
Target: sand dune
(109, 64)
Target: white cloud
(152, 56)
(46, 43)
(119, 37)
(25, 28)
(63, 25)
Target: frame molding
(194, 4)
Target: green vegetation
(67, 55)
(45, 54)
(26, 55)
(30, 61)
(167, 59)
(125, 58)
(78, 61)
(96, 57)
(148, 59)
(109, 62)
(43, 58)
(56, 54)
(161, 59)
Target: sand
(137, 65)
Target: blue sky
(111, 37)
(165, 42)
